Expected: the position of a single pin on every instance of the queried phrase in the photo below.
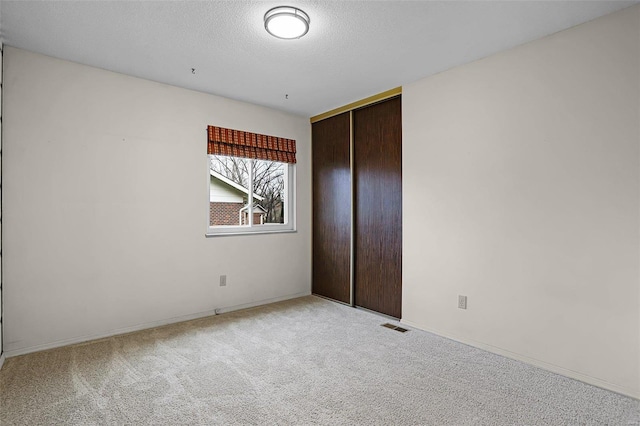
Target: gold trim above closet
(354, 105)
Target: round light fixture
(286, 22)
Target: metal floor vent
(395, 327)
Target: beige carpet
(305, 361)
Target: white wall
(106, 205)
(521, 191)
(221, 193)
(1, 326)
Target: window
(251, 183)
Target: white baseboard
(262, 302)
(2, 358)
(145, 326)
(535, 362)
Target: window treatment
(237, 143)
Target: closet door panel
(378, 207)
(332, 208)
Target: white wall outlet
(462, 302)
(223, 280)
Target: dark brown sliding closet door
(332, 208)
(378, 207)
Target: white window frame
(272, 228)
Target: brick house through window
(259, 214)
(228, 202)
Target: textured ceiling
(354, 49)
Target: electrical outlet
(223, 280)
(462, 302)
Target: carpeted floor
(304, 361)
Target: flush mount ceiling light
(286, 22)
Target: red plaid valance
(236, 143)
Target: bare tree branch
(268, 181)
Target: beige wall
(521, 191)
(106, 206)
(1, 325)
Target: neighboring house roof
(257, 208)
(233, 184)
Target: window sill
(237, 233)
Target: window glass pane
(228, 190)
(234, 180)
(269, 189)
